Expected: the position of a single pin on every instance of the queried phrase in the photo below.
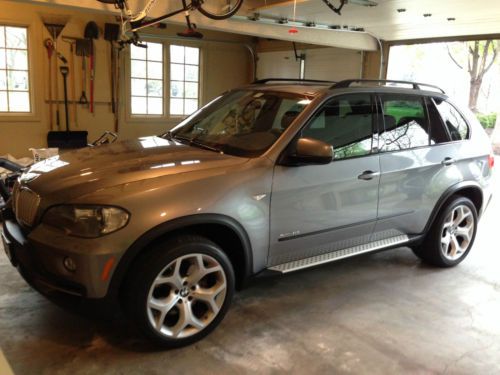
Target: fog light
(69, 264)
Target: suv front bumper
(40, 256)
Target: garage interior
(380, 313)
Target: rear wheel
(452, 234)
(219, 9)
(180, 291)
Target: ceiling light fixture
(401, 10)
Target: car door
(318, 209)
(414, 156)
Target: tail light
(491, 161)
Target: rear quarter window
(453, 120)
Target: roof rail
(266, 80)
(415, 85)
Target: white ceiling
(473, 17)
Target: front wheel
(219, 9)
(180, 291)
(452, 234)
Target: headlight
(86, 221)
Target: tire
(452, 234)
(180, 291)
(209, 12)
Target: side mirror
(311, 151)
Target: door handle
(448, 161)
(368, 175)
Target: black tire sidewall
(148, 269)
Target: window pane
(155, 51)
(176, 107)
(137, 52)
(17, 80)
(3, 102)
(192, 56)
(2, 36)
(177, 72)
(346, 124)
(155, 88)
(19, 102)
(155, 70)
(453, 120)
(16, 37)
(2, 58)
(138, 69)
(17, 59)
(3, 80)
(139, 106)
(191, 90)
(155, 106)
(191, 73)
(139, 87)
(177, 54)
(176, 89)
(405, 123)
(190, 106)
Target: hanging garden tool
(66, 139)
(112, 34)
(49, 45)
(83, 50)
(91, 33)
(54, 26)
(72, 73)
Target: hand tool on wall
(72, 73)
(54, 30)
(49, 45)
(91, 33)
(83, 50)
(66, 139)
(111, 34)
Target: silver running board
(339, 254)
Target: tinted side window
(437, 132)
(453, 120)
(405, 123)
(345, 122)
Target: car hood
(76, 173)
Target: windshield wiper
(193, 141)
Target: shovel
(91, 33)
(111, 34)
(83, 49)
(66, 139)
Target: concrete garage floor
(382, 313)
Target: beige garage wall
(226, 63)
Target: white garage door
(322, 63)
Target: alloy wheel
(186, 295)
(457, 232)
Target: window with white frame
(146, 75)
(184, 80)
(14, 70)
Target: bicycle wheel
(219, 9)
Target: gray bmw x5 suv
(276, 176)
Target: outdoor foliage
(487, 120)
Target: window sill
(18, 117)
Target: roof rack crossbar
(415, 85)
(266, 80)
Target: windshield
(242, 123)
